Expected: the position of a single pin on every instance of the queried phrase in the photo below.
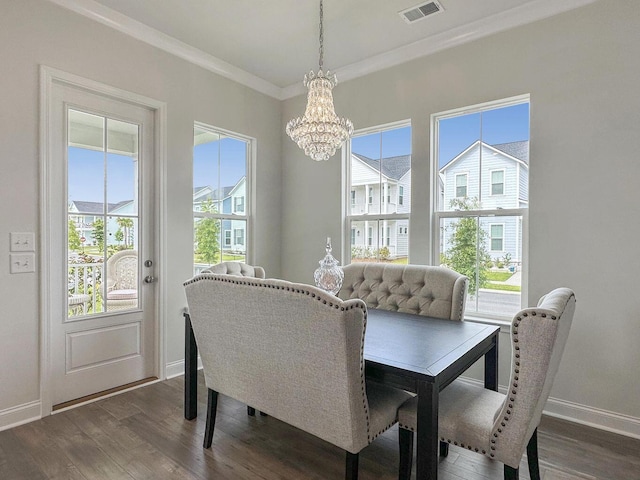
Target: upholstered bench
(419, 289)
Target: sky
(503, 125)
(86, 167)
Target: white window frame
(249, 197)
(240, 237)
(227, 238)
(236, 203)
(348, 218)
(438, 216)
(491, 184)
(400, 195)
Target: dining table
(416, 353)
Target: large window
(378, 194)
(481, 198)
(220, 196)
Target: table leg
(491, 366)
(427, 432)
(190, 371)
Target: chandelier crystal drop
(319, 132)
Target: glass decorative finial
(329, 275)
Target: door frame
(48, 77)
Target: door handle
(149, 279)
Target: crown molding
(514, 17)
(140, 31)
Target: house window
(497, 182)
(221, 182)
(353, 198)
(238, 204)
(238, 235)
(496, 233)
(461, 185)
(478, 222)
(379, 160)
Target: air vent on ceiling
(419, 12)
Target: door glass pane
(102, 186)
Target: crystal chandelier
(320, 132)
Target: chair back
(538, 338)
(122, 270)
(290, 350)
(419, 289)
(236, 268)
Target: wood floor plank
(142, 435)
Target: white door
(102, 295)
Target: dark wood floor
(142, 434)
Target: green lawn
(494, 276)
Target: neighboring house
(228, 201)
(497, 177)
(381, 189)
(84, 214)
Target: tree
(73, 236)
(468, 252)
(98, 232)
(119, 235)
(207, 235)
(125, 224)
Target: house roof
(214, 195)
(97, 207)
(518, 150)
(392, 167)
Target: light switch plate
(23, 262)
(22, 242)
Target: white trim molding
(514, 17)
(19, 415)
(175, 369)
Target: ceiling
(269, 45)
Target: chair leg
(351, 471)
(444, 449)
(212, 405)
(532, 456)
(511, 473)
(251, 411)
(406, 453)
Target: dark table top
(422, 347)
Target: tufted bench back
(236, 268)
(419, 289)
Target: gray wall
(35, 32)
(581, 69)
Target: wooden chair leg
(444, 449)
(351, 472)
(212, 405)
(532, 456)
(406, 453)
(511, 473)
(251, 411)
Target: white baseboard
(175, 369)
(593, 417)
(15, 416)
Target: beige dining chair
(502, 425)
(243, 270)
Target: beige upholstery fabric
(499, 425)
(419, 289)
(236, 268)
(292, 351)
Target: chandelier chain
(321, 37)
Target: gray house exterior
(497, 178)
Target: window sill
(505, 325)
